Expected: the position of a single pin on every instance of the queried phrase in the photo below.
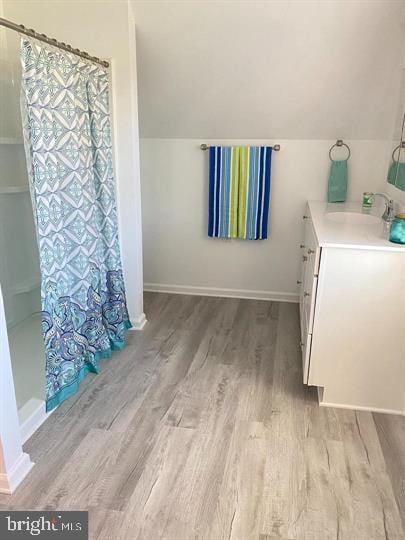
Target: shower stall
(48, 345)
(19, 262)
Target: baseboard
(139, 322)
(249, 294)
(355, 407)
(9, 482)
(32, 415)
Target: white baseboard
(249, 294)
(139, 322)
(355, 407)
(32, 415)
(9, 482)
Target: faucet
(388, 214)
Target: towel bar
(204, 146)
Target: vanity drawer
(309, 304)
(312, 251)
(309, 278)
(306, 341)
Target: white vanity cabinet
(352, 313)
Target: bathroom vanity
(352, 309)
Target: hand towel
(337, 184)
(396, 175)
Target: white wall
(175, 193)
(104, 29)
(14, 463)
(301, 72)
(286, 69)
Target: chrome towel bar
(276, 147)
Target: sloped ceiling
(269, 69)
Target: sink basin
(353, 218)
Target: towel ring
(339, 142)
(401, 145)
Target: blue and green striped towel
(239, 191)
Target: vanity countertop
(349, 235)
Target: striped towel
(239, 191)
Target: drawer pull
(306, 293)
(304, 258)
(310, 251)
(302, 246)
(299, 282)
(305, 217)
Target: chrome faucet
(388, 214)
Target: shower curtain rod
(42, 37)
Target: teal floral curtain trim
(76, 338)
(70, 389)
(67, 132)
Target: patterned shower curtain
(67, 132)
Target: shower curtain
(67, 132)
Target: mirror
(396, 171)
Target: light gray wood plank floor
(202, 429)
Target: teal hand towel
(396, 175)
(337, 184)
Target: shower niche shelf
(11, 140)
(26, 286)
(9, 190)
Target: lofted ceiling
(300, 69)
